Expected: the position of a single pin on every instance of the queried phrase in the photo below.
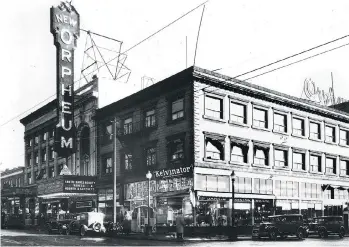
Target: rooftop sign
(319, 96)
(65, 27)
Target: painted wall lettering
(65, 22)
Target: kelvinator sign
(65, 24)
(173, 172)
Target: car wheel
(322, 233)
(273, 235)
(341, 232)
(82, 231)
(283, 236)
(60, 230)
(300, 234)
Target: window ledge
(281, 168)
(169, 122)
(331, 175)
(260, 128)
(316, 173)
(315, 140)
(214, 119)
(344, 176)
(298, 136)
(280, 132)
(238, 123)
(297, 170)
(215, 161)
(261, 166)
(343, 145)
(331, 143)
(238, 163)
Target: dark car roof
(284, 215)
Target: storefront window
(242, 212)
(311, 209)
(212, 212)
(262, 209)
(287, 207)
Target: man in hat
(180, 225)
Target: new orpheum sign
(65, 24)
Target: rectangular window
(263, 186)
(59, 168)
(108, 133)
(298, 126)
(128, 161)
(150, 155)
(128, 126)
(260, 118)
(315, 163)
(36, 140)
(36, 155)
(330, 134)
(214, 107)
(214, 148)
(260, 156)
(280, 122)
(29, 160)
(239, 153)
(280, 159)
(45, 136)
(331, 165)
(345, 167)
(52, 153)
(43, 172)
(108, 165)
(51, 172)
(314, 131)
(238, 113)
(344, 137)
(299, 161)
(176, 150)
(52, 133)
(150, 119)
(43, 152)
(177, 109)
(30, 142)
(29, 178)
(243, 185)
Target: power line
(132, 47)
(302, 60)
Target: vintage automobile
(326, 225)
(282, 226)
(81, 223)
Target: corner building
(289, 155)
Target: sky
(235, 37)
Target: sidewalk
(164, 237)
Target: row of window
(43, 156)
(16, 182)
(129, 126)
(239, 149)
(238, 114)
(42, 173)
(175, 155)
(287, 188)
(45, 137)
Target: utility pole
(114, 171)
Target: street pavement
(28, 238)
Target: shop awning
(172, 193)
(215, 194)
(66, 195)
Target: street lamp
(148, 227)
(233, 233)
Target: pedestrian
(180, 225)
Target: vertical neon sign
(65, 24)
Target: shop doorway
(140, 218)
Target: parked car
(282, 226)
(81, 223)
(327, 225)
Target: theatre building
(60, 185)
(193, 129)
